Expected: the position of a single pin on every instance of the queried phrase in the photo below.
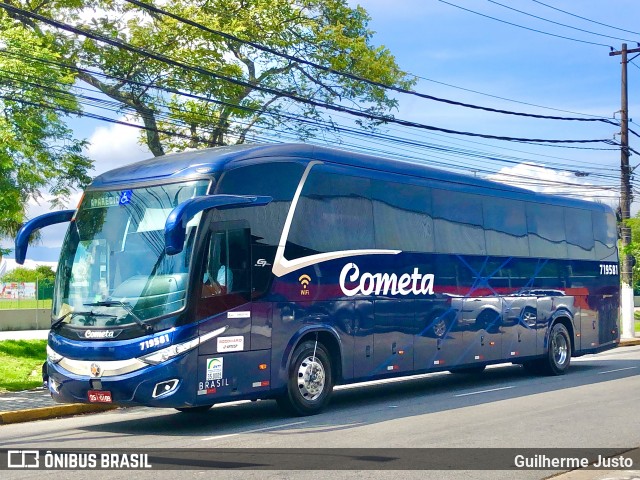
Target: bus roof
(206, 162)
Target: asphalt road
(594, 406)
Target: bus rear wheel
(558, 357)
(559, 354)
(310, 380)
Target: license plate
(99, 396)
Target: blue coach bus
(279, 271)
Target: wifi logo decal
(304, 280)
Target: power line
(504, 98)
(351, 76)
(319, 124)
(558, 23)
(402, 141)
(584, 18)
(278, 93)
(541, 182)
(521, 180)
(114, 106)
(525, 28)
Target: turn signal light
(262, 366)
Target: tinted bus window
(278, 180)
(579, 230)
(457, 223)
(402, 216)
(605, 233)
(546, 231)
(333, 213)
(505, 223)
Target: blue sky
(440, 42)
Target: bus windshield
(113, 269)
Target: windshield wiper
(59, 321)
(126, 306)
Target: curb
(43, 413)
(631, 342)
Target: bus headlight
(180, 348)
(53, 356)
(170, 352)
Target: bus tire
(475, 370)
(198, 409)
(559, 354)
(310, 381)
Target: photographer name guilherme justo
(545, 462)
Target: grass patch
(12, 304)
(21, 364)
(637, 326)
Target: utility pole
(626, 270)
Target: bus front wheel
(310, 380)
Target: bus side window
(215, 278)
(226, 267)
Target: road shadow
(394, 399)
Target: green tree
(327, 32)
(634, 249)
(37, 150)
(42, 273)
(20, 274)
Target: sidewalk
(24, 335)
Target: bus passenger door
(519, 327)
(228, 364)
(223, 294)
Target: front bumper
(133, 388)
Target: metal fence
(16, 295)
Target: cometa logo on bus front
(384, 283)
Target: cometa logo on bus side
(384, 283)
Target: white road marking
(617, 370)
(484, 391)
(217, 437)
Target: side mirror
(22, 238)
(176, 225)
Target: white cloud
(110, 147)
(114, 146)
(544, 180)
